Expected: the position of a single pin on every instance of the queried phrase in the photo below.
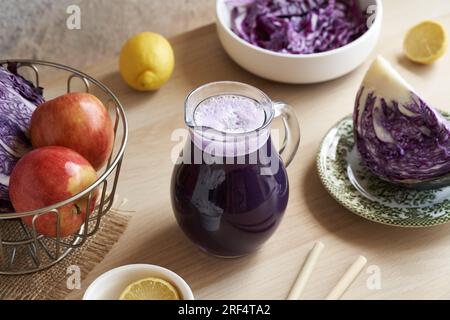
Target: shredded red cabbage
(297, 26)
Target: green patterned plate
(361, 192)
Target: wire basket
(22, 249)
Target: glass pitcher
(229, 188)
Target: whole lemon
(146, 61)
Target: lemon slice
(426, 42)
(150, 289)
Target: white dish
(294, 68)
(111, 284)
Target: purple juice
(231, 207)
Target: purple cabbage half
(400, 138)
(18, 100)
(297, 26)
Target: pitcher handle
(291, 139)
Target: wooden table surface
(414, 263)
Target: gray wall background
(37, 28)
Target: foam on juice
(230, 114)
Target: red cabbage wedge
(399, 136)
(18, 100)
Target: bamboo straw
(305, 272)
(347, 279)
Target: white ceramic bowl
(111, 284)
(294, 68)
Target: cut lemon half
(426, 42)
(150, 289)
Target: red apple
(49, 175)
(78, 121)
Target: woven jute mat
(51, 283)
